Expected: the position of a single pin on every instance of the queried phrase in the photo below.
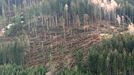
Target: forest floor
(53, 48)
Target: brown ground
(55, 48)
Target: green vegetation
(12, 51)
(19, 70)
(111, 57)
(12, 58)
(16, 30)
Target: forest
(66, 37)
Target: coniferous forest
(66, 37)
